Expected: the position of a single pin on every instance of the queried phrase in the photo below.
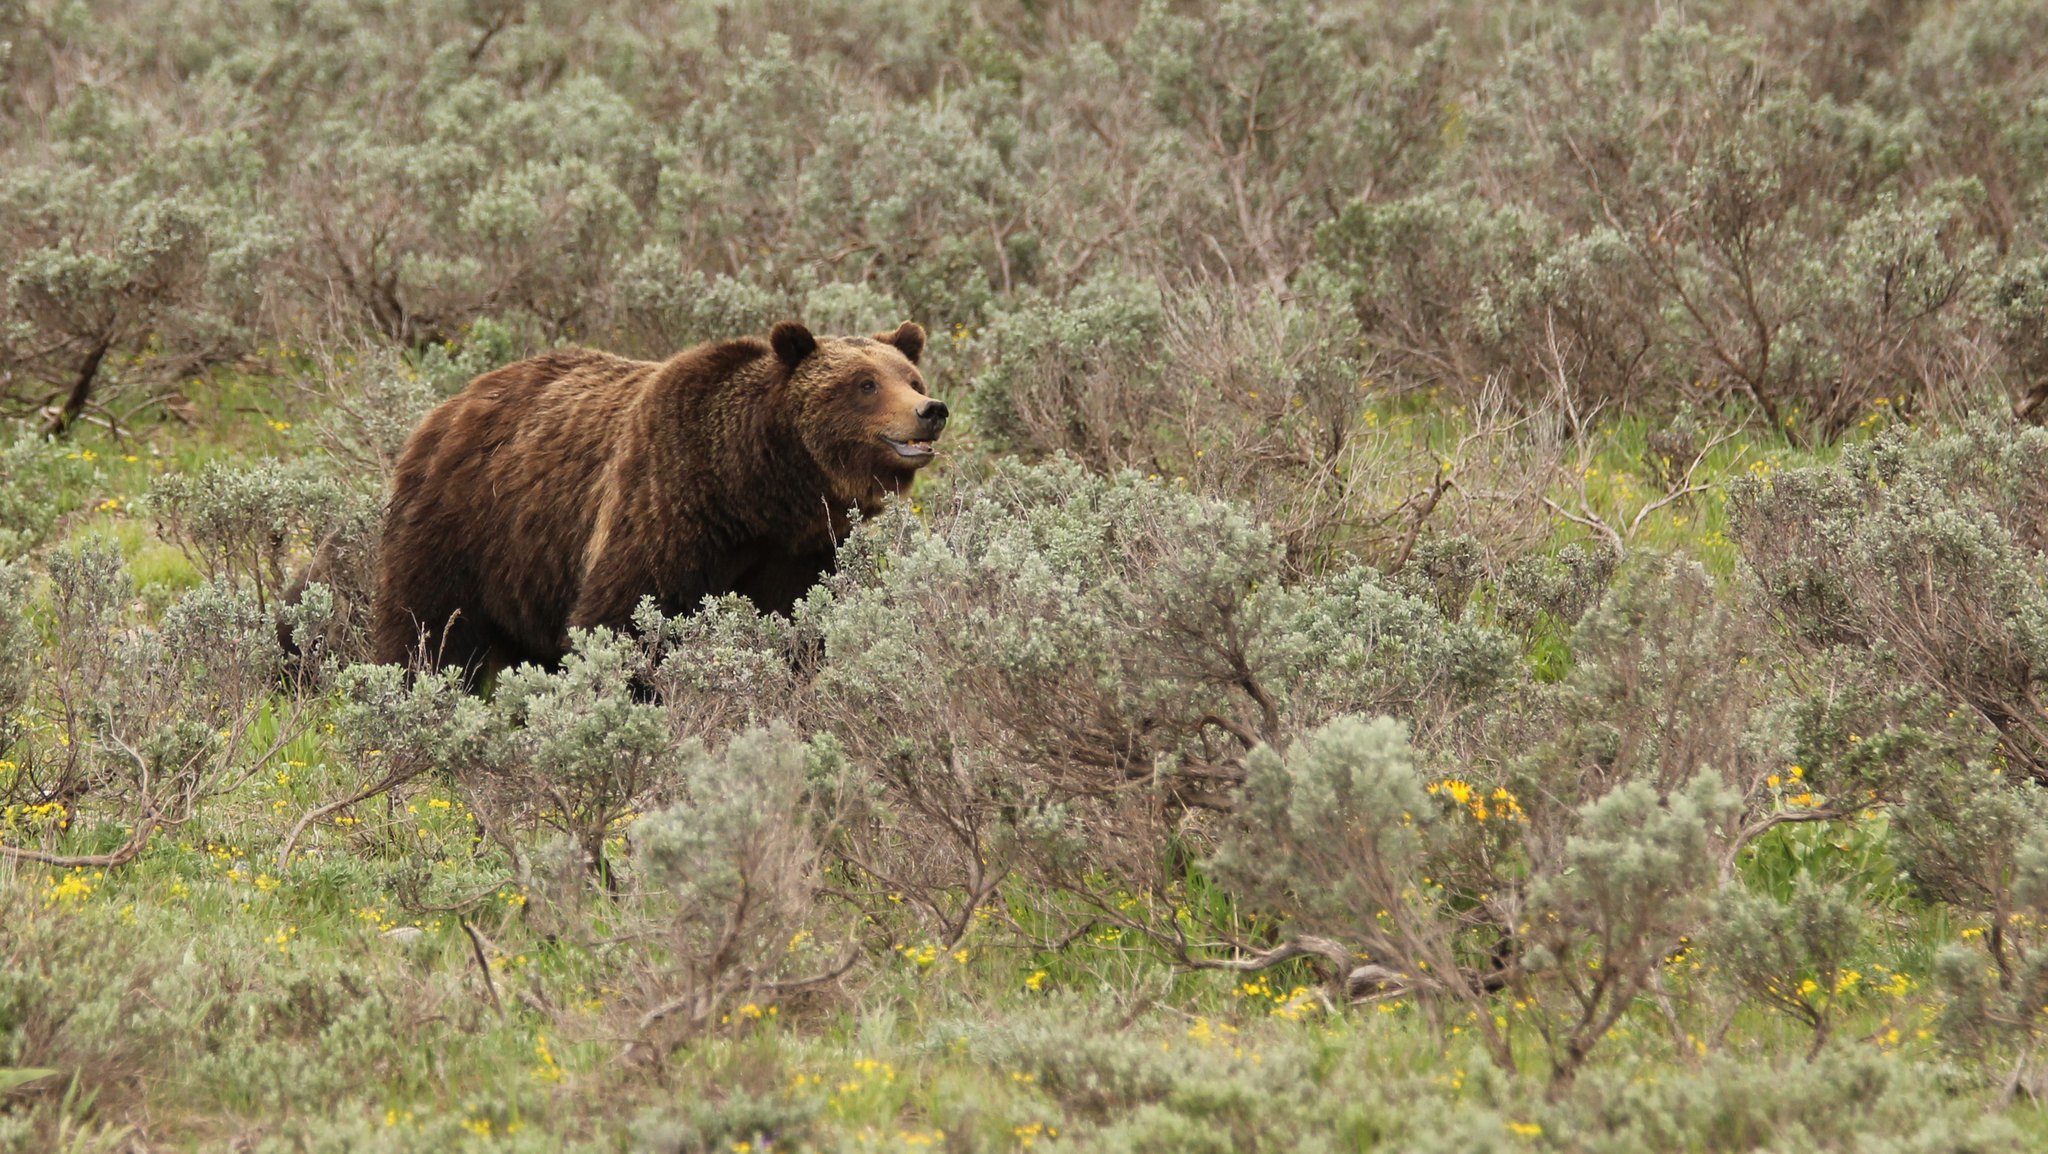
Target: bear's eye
(868, 385)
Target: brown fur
(559, 491)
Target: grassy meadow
(1487, 588)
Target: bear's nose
(933, 413)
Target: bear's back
(499, 485)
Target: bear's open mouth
(913, 449)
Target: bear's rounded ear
(908, 339)
(793, 342)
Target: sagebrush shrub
(244, 524)
(394, 727)
(1635, 883)
(2019, 319)
(137, 724)
(107, 298)
(1792, 955)
(583, 753)
(1562, 587)
(1760, 241)
(1081, 376)
(731, 873)
(727, 668)
(1580, 844)
(1923, 546)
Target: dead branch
(390, 781)
(483, 964)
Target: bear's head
(861, 408)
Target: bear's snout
(932, 415)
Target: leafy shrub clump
(128, 728)
(242, 525)
(738, 862)
(1062, 672)
(1589, 850)
(1922, 549)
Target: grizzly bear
(559, 491)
